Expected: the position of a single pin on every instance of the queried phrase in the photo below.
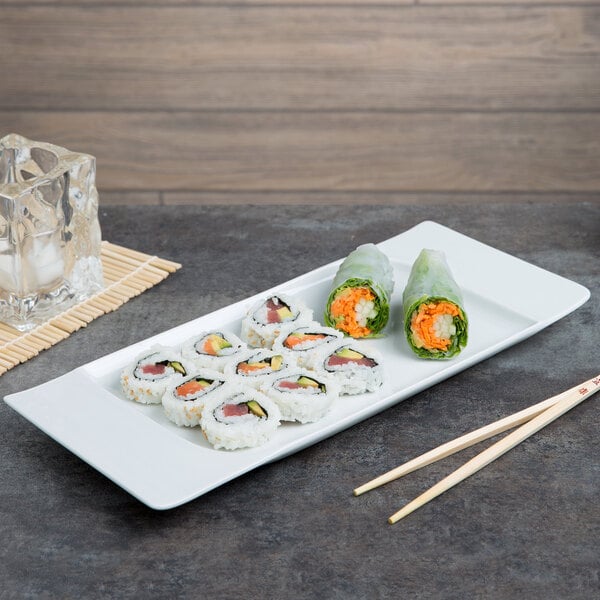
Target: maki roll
(146, 379)
(264, 320)
(354, 368)
(435, 322)
(183, 400)
(213, 349)
(359, 303)
(253, 366)
(302, 395)
(239, 417)
(302, 342)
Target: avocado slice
(348, 353)
(257, 365)
(220, 342)
(276, 362)
(256, 409)
(284, 313)
(175, 364)
(307, 382)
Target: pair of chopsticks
(529, 420)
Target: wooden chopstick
(569, 400)
(462, 442)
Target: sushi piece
(237, 416)
(303, 342)
(183, 400)
(264, 321)
(213, 349)
(359, 303)
(146, 379)
(302, 395)
(356, 369)
(435, 322)
(255, 365)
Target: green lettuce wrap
(359, 303)
(435, 322)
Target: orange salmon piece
(293, 340)
(191, 387)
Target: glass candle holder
(49, 230)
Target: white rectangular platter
(506, 300)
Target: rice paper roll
(435, 322)
(359, 303)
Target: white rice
(148, 388)
(244, 431)
(258, 333)
(304, 405)
(186, 411)
(193, 349)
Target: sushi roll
(302, 395)
(435, 323)
(237, 416)
(354, 368)
(255, 365)
(183, 400)
(213, 349)
(359, 302)
(264, 321)
(146, 379)
(303, 342)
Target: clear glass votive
(49, 230)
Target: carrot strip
(423, 320)
(343, 310)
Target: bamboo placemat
(127, 273)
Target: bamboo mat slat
(127, 273)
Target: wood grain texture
(300, 58)
(336, 152)
(312, 101)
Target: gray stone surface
(527, 526)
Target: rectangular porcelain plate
(506, 299)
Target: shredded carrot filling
(423, 320)
(343, 310)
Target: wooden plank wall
(312, 101)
